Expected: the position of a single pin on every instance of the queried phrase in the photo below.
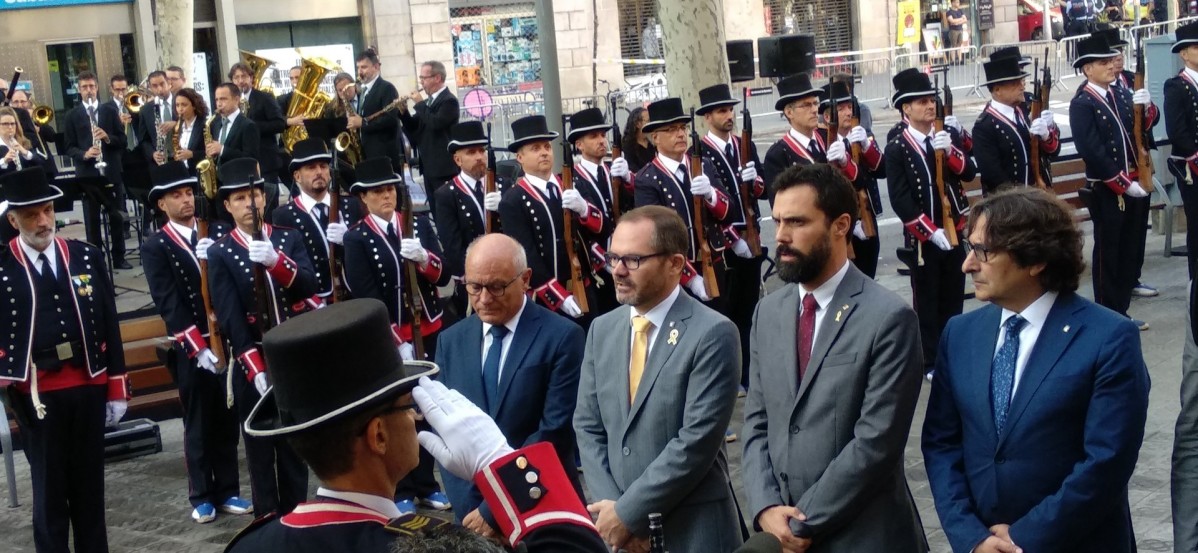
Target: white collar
(803, 139)
(1097, 88)
(382, 223)
(918, 136)
(468, 180)
(232, 116)
(51, 253)
(93, 103)
(592, 168)
(381, 505)
(1193, 74)
(670, 165)
(719, 142)
(1035, 314)
(541, 185)
(434, 95)
(309, 202)
(367, 85)
(183, 231)
(657, 315)
(1004, 110)
(512, 323)
(825, 292)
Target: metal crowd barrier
(960, 76)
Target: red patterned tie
(806, 331)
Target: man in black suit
(156, 118)
(379, 136)
(263, 110)
(89, 145)
(234, 136)
(428, 124)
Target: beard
(807, 266)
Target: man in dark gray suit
(657, 389)
(832, 385)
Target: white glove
(263, 252)
(411, 250)
(701, 186)
(1039, 128)
(858, 135)
(491, 201)
(1141, 97)
(942, 141)
(114, 411)
(749, 173)
(336, 232)
(836, 153)
(695, 285)
(407, 351)
(570, 307)
(573, 201)
(1136, 191)
(741, 249)
(1048, 118)
(202, 246)
(207, 360)
(466, 439)
(952, 121)
(859, 231)
(619, 168)
(940, 239)
(260, 383)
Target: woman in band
(187, 138)
(16, 152)
(637, 148)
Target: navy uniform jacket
(460, 218)
(374, 269)
(786, 152)
(292, 215)
(911, 176)
(535, 221)
(291, 286)
(1181, 118)
(656, 186)
(173, 274)
(597, 194)
(1002, 150)
(77, 133)
(95, 309)
(1102, 134)
(727, 173)
(864, 175)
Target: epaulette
(255, 525)
(413, 524)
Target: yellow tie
(640, 350)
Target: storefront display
(495, 46)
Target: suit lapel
(526, 333)
(472, 381)
(1059, 331)
(836, 317)
(788, 329)
(661, 350)
(976, 377)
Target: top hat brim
(264, 419)
(823, 102)
(300, 162)
(516, 144)
(783, 100)
(901, 97)
(52, 193)
(1021, 75)
(160, 189)
(455, 145)
(654, 125)
(1083, 60)
(580, 132)
(362, 186)
(705, 108)
(1183, 44)
(227, 189)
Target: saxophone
(206, 168)
(348, 142)
(175, 147)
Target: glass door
(67, 61)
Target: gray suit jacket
(833, 446)
(665, 452)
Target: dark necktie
(604, 186)
(928, 151)
(322, 215)
(1002, 372)
(46, 276)
(491, 366)
(730, 154)
(551, 189)
(391, 236)
(195, 239)
(806, 332)
(91, 112)
(817, 152)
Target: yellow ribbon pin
(673, 340)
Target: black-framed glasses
(980, 251)
(496, 290)
(633, 262)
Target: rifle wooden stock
(946, 212)
(751, 236)
(834, 135)
(1033, 140)
(216, 343)
(1144, 169)
(265, 320)
(340, 292)
(705, 267)
(411, 284)
(576, 286)
(617, 150)
(865, 212)
(490, 222)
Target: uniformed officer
(460, 211)
(966, 140)
(1002, 133)
(278, 478)
(799, 101)
(308, 212)
(173, 274)
(532, 211)
(937, 283)
(63, 364)
(357, 432)
(1181, 125)
(375, 252)
(667, 181)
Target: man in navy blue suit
(1032, 448)
(515, 359)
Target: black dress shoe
(121, 264)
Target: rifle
(265, 319)
(415, 301)
(1144, 169)
(576, 286)
(489, 222)
(340, 292)
(215, 342)
(1046, 81)
(616, 151)
(705, 267)
(943, 109)
(834, 134)
(746, 193)
(1033, 140)
(865, 212)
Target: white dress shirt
(32, 254)
(309, 202)
(506, 343)
(1036, 315)
(382, 505)
(542, 185)
(823, 296)
(183, 231)
(674, 167)
(656, 316)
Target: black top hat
(467, 134)
(910, 84)
(239, 174)
(1093, 48)
(1011, 52)
(715, 96)
(1187, 35)
(28, 187)
(376, 171)
(329, 364)
(666, 111)
(169, 176)
(532, 128)
(835, 92)
(308, 151)
(1003, 69)
(1112, 37)
(585, 122)
(795, 87)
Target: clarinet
(96, 143)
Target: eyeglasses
(807, 105)
(8, 124)
(426, 77)
(632, 262)
(496, 290)
(393, 408)
(980, 251)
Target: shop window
(496, 46)
(640, 35)
(830, 21)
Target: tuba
(307, 100)
(258, 65)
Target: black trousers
(278, 477)
(938, 292)
(1189, 199)
(209, 432)
(112, 200)
(65, 451)
(1139, 236)
(1116, 234)
(421, 482)
(866, 254)
(740, 297)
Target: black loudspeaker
(786, 55)
(740, 61)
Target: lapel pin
(673, 340)
(671, 324)
(1066, 329)
(839, 313)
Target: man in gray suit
(657, 389)
(1184, 476)
(834, 377)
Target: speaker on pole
(786, 55)
(740, 61)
